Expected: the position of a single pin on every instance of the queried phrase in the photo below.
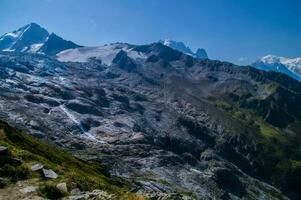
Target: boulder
(28, 189)
(62, 187)
(75, 191)
(49, 174)
(137, 137)
(36, 167)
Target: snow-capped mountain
(180, 46)
(33, 38)
(288, 66)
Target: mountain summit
(288, 66)
(33, 38)
(180, 46)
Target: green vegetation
(268, 130)
(275, 152)
(84, 175)
(50, 191)
(296, 164)
(271, 88)
(15, 173)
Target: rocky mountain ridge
(180, 46)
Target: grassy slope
(276, 157)
(87, 176)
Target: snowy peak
(21, 40)
(33, 38)
(293, 64)
(288, 66)
(180, 46)
(270, 59)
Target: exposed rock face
(56, 44)
(180, 46)
(173, 123)
(201, 53)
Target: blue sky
(239, 31)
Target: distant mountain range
(180, 46)
(34, 39)
(288, 66)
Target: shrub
(50, 191)
(15, 173)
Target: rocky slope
(205, 129)
(173, 124)
(30, 169)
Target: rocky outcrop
(45, 173)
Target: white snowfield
(290, 63)
(105, 53)
(290, 66)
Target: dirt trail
(24, 190)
